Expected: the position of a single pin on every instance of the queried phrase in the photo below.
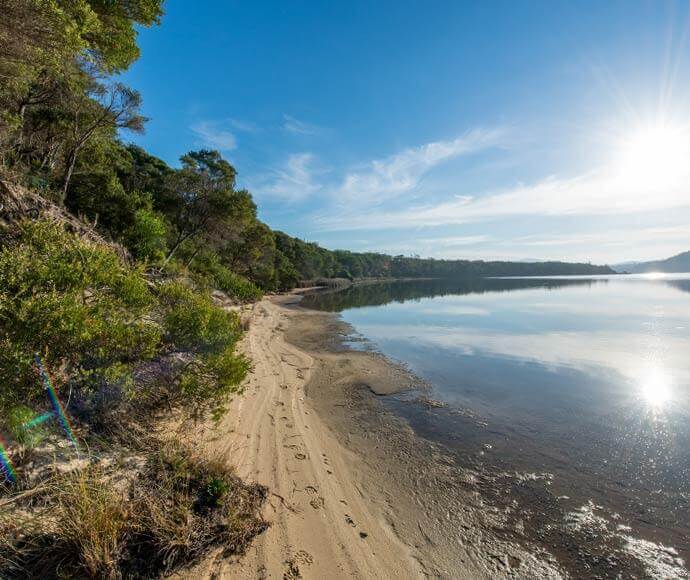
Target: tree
(109, 108)
(53, 57)
(201, 197)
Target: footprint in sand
(301, 558)
(304, 557)
(350, 521)
(317, 503)
(300, 456)
(291, 571)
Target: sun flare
(654, 155)
(656, 388)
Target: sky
(448, 129)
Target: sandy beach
(354, 493)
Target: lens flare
(6, 465)
(58, 409)
(38, 420)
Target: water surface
(583, 382)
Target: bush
(16, 419)
(209, 270)
(194, 323)
(146, 236)
(77, 305)
(235, 285)
(94, 320)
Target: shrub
(77, 305)
(209, 270)
(16, 419)
(94, 319)
(213, 507)
(193, 322)
(146, 236)
(235, 285)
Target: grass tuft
(168, 516)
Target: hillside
(678, 263)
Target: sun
(657, 154)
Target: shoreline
(477, 513)
(355, 493)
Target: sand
(354, 493)
(320, 525)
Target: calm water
(586, 380)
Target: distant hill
(677, 263)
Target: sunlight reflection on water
(656, 387)
(586, 380)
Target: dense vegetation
(107, 323)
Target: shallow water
(580, 384)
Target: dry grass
(166, 517)
(78, 528)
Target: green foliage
(57, 55)
(77, 305)
(216, 491)
(145, 237)
(209, 271)
(192, 322)
(16, 419)
(235, 285)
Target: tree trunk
(177, 244)
(72, 161)
(194, 253)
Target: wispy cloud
(214, 135)
(244, 126)
(297, 127)
(294, 181)
(400, 173)
(455, 241)
(591, 194)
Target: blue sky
(495, 130)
